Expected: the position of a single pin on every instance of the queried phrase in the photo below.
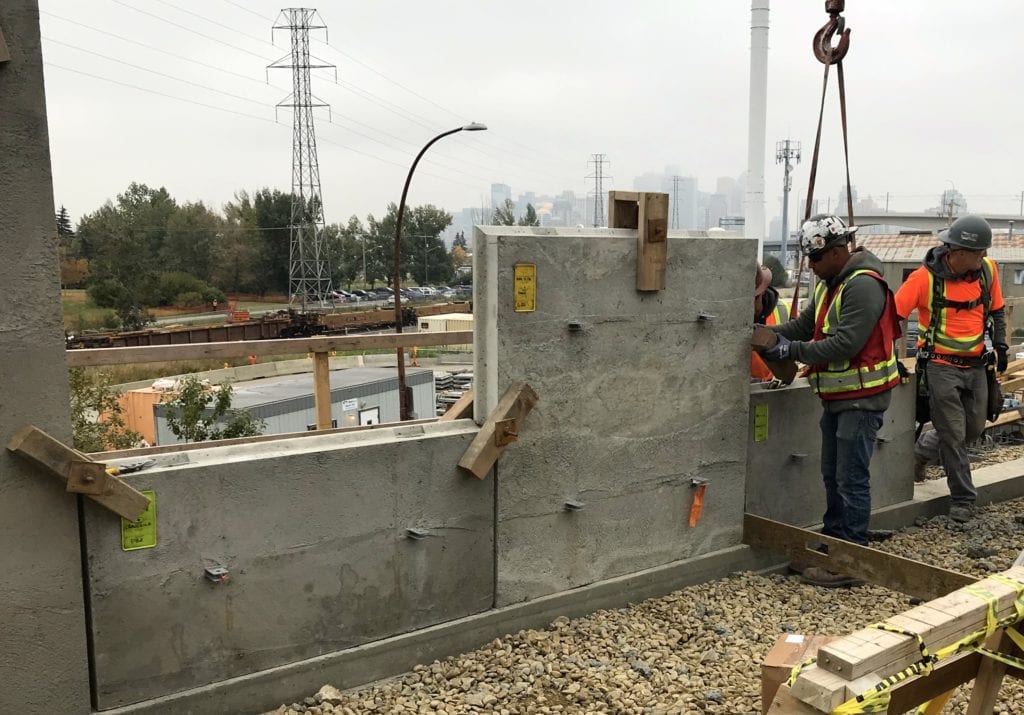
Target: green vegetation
(96, 415)
(145, 250)
(198, 413)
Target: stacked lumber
(855, 664)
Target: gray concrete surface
(642, 399)
(44, 666)
(289, 683)
(784, 473)
(312, 532)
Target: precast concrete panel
(43, 657)
(784, 480)
(313, 535)
(640, 394)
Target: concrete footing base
(268, 689)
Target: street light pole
(403, 402)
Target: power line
(156, 49)
(151, 71)
(189, 29)
(242, 114)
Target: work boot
(961, 513)
(828, 579)
(920, 468)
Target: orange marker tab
(697, 507)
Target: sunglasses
(815, 257)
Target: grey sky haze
(931, 93)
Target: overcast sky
(930, 86)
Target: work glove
(774, 384)
(778, 352)
(1001, 361)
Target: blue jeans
(847, 442)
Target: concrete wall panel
(642, 399)
(784, 472)
(43, 657)
(314, 539)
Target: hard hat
(762, 279)
(823, 231)
(970, 231)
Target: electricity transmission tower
(309, 274)
(598, 175)
(785, 151)
(675, 200)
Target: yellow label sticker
(141, 533)
(525, 287)
(761, 422)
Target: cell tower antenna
(309, 272)
(786, 151)
(598, 175)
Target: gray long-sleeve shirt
(863, 303)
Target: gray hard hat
(970, 231)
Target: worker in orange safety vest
(768, 310)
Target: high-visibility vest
(873, 369)
(937, 336)
(758, 368)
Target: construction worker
(845, 337)
(957, 297)
(768, 310)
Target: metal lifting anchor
(822, 45)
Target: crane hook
(822, 45)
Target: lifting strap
(828, 56)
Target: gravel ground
(693, 652)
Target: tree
(345, 247)
(778, 272)
(422, 227)
(64, 230)
(192, 230)
(460, 241)
(530, 218)
(459, 256)
(505, 215)
(125, 241)
(198, 413)
(273, 210)
(97, 423)
(236, 255)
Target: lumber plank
(820, 689)
(990, 676)
(462, 407)
(623, 209)
(484, 450)
(244, 348)
(1013, 385)
(895, 572)
(652, 242)
(34, 445)
(322, 389)
(784, 703)
(939, 622)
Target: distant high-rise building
(499, 193)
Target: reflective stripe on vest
(968, 345)
(840, 379)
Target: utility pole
(309, 275)
(675, 200)
(785, 152)
(598, 175)
(887, 202)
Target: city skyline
(175, 95)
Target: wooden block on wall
(652, 242)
